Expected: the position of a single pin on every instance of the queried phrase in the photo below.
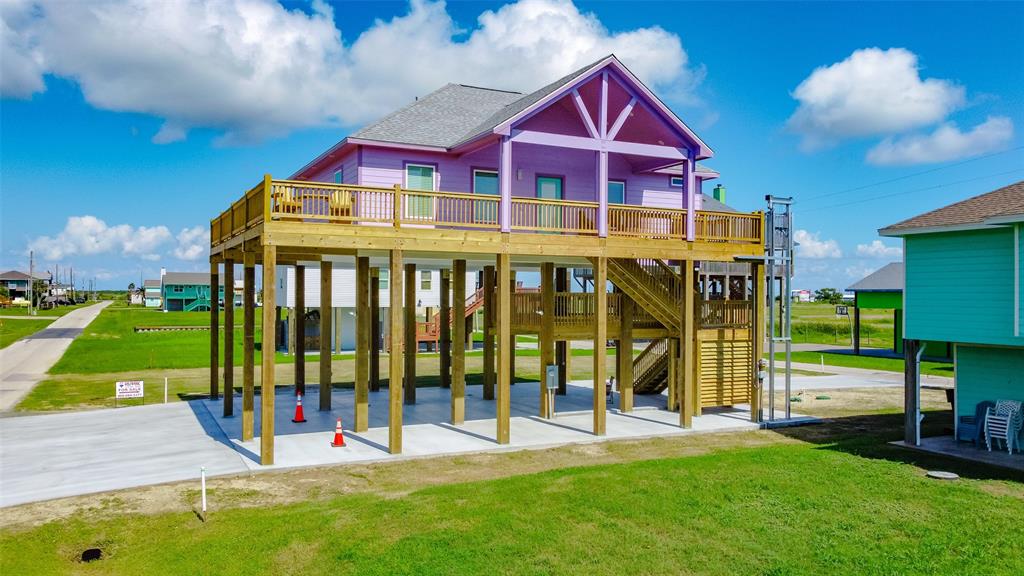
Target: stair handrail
(649, 358)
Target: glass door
(549, 215)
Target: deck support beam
(361, 420)
(375, 330)
(489, 315)
(267, 353)
(326, 312)
(547, 330)
(504, 321)
(214, 331)
(563, 352)
(248, 344)
(600, 343)
(395, 316)
(757, 338)
(688, 396)
(411, 345)
(458, 359)
(625, 354)
(512, 350)
(229, 337)
(300, 329)
(673, 374)
(445, 326)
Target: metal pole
(202, 475)
(789, 304)
(769, 262)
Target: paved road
(24, 363)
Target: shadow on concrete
(212, 429)
(870, 437)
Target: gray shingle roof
(187, 278)
(156, 283)
(888, 278)
(441, 118)
(1006, 201)
(715, 206)
(457, 113)
(19, 275)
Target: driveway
(26, 362)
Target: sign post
(129, 389)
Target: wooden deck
(389, 218)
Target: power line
(901, 192)
(907, 176)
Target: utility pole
(31, 281)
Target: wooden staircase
(430, 331)
(650, 368)
(652, 284)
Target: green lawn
(12, 330)
(784, 509)
(867, 362)
(55, 312)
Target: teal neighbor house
(964, 284)
(187, 291)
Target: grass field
(54, 312)
(867, 362)
(817, 323)
(12, 330)
(96, 389)
(827, 499)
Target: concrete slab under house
(591, 172)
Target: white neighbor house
(343, 296)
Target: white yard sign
(129, 389)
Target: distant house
(151, 293)
(965, 284)
(17, 283)
(883, 290)
(187, 292)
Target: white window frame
(340, 171)
(433, 176)
(426, 280)
(673, 179)
(483, 171)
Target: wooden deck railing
(646, 222)
(572, 309)
(366, 205)
(724, 314)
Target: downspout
(917, 395)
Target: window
(419, 177)
(676, 181)
(485, 182)
(382, 282)
(616, 192)
(339, 176)
(549, 187)
(425, 280)
(178, 289)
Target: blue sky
(117, 147)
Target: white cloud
(879, 250)
(193, 243)
(947, 142)
(21, 63)
(810, 246)
(872, 92)
(90, 236)
(254, 69)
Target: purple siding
(385, 167)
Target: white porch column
(505, 184)
(602, 194)
(691, 196)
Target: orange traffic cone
(339, 438)
(299, 416)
